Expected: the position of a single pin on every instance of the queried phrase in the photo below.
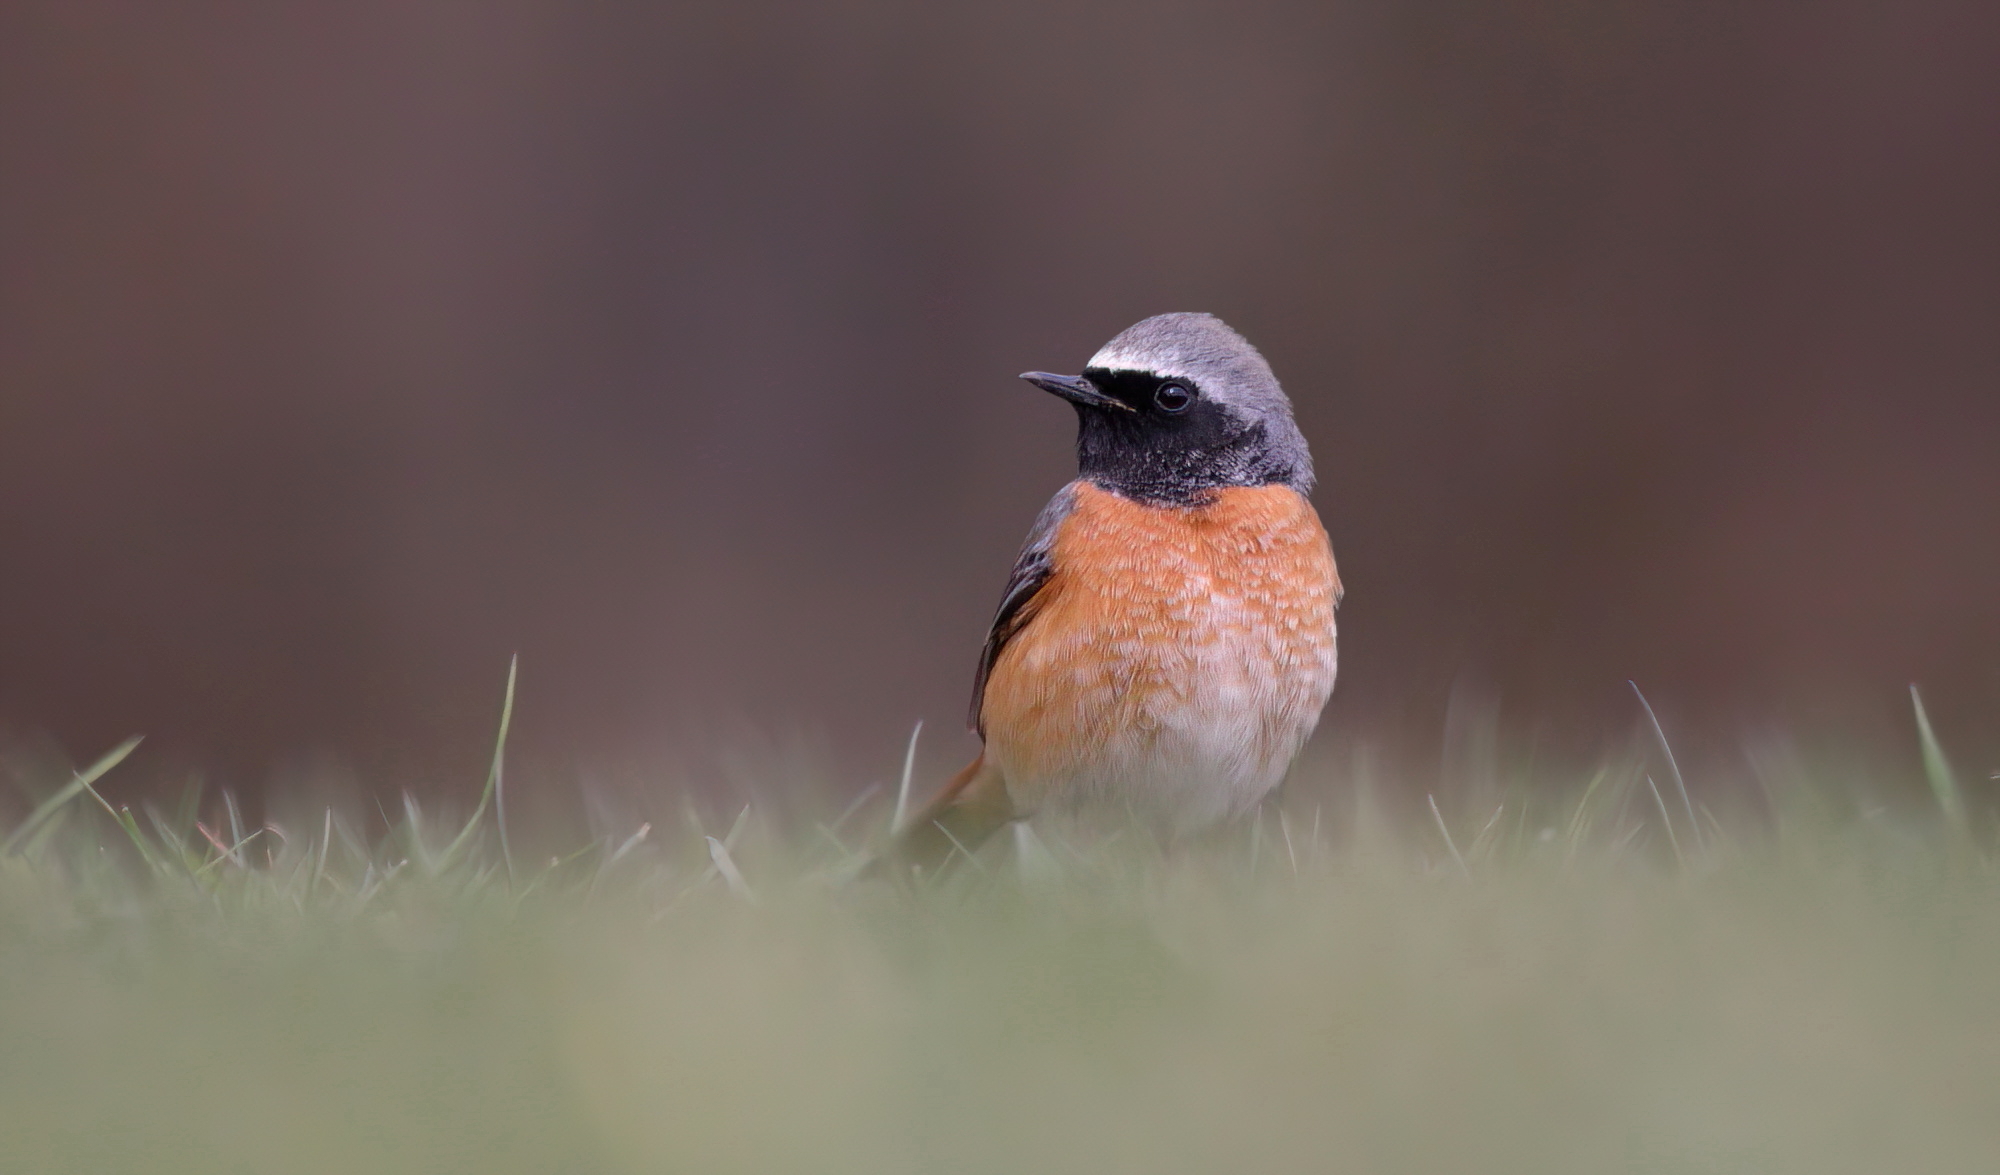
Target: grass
(1554, 978)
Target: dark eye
(1172, 398)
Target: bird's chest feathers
(1159, 615)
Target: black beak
(1075, 389)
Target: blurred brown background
(347, 348)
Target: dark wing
(1031, 571)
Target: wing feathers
(1032, 569)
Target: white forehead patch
(1114, 358)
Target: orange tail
(969, 809)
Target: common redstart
(1166, 640)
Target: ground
(1541, 982)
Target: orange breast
(1175, 659)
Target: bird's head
(1178, 406)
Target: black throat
(1167, 458)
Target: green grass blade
(69, 791)
(1937, 768)
(232, 854)
(718, 853)
(413, 839)
(1483, 841)
(1673, 841)
(903, 788)
(130, 823)
(1580, 819)
(237, 836)
(171, 842)
(498, 772)
(463, 841)
(319, 867)
(1446, 832)
(1680, 785)
(50, 829)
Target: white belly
(1209, 748)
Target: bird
(1166, 639)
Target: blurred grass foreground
(1601, 977)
